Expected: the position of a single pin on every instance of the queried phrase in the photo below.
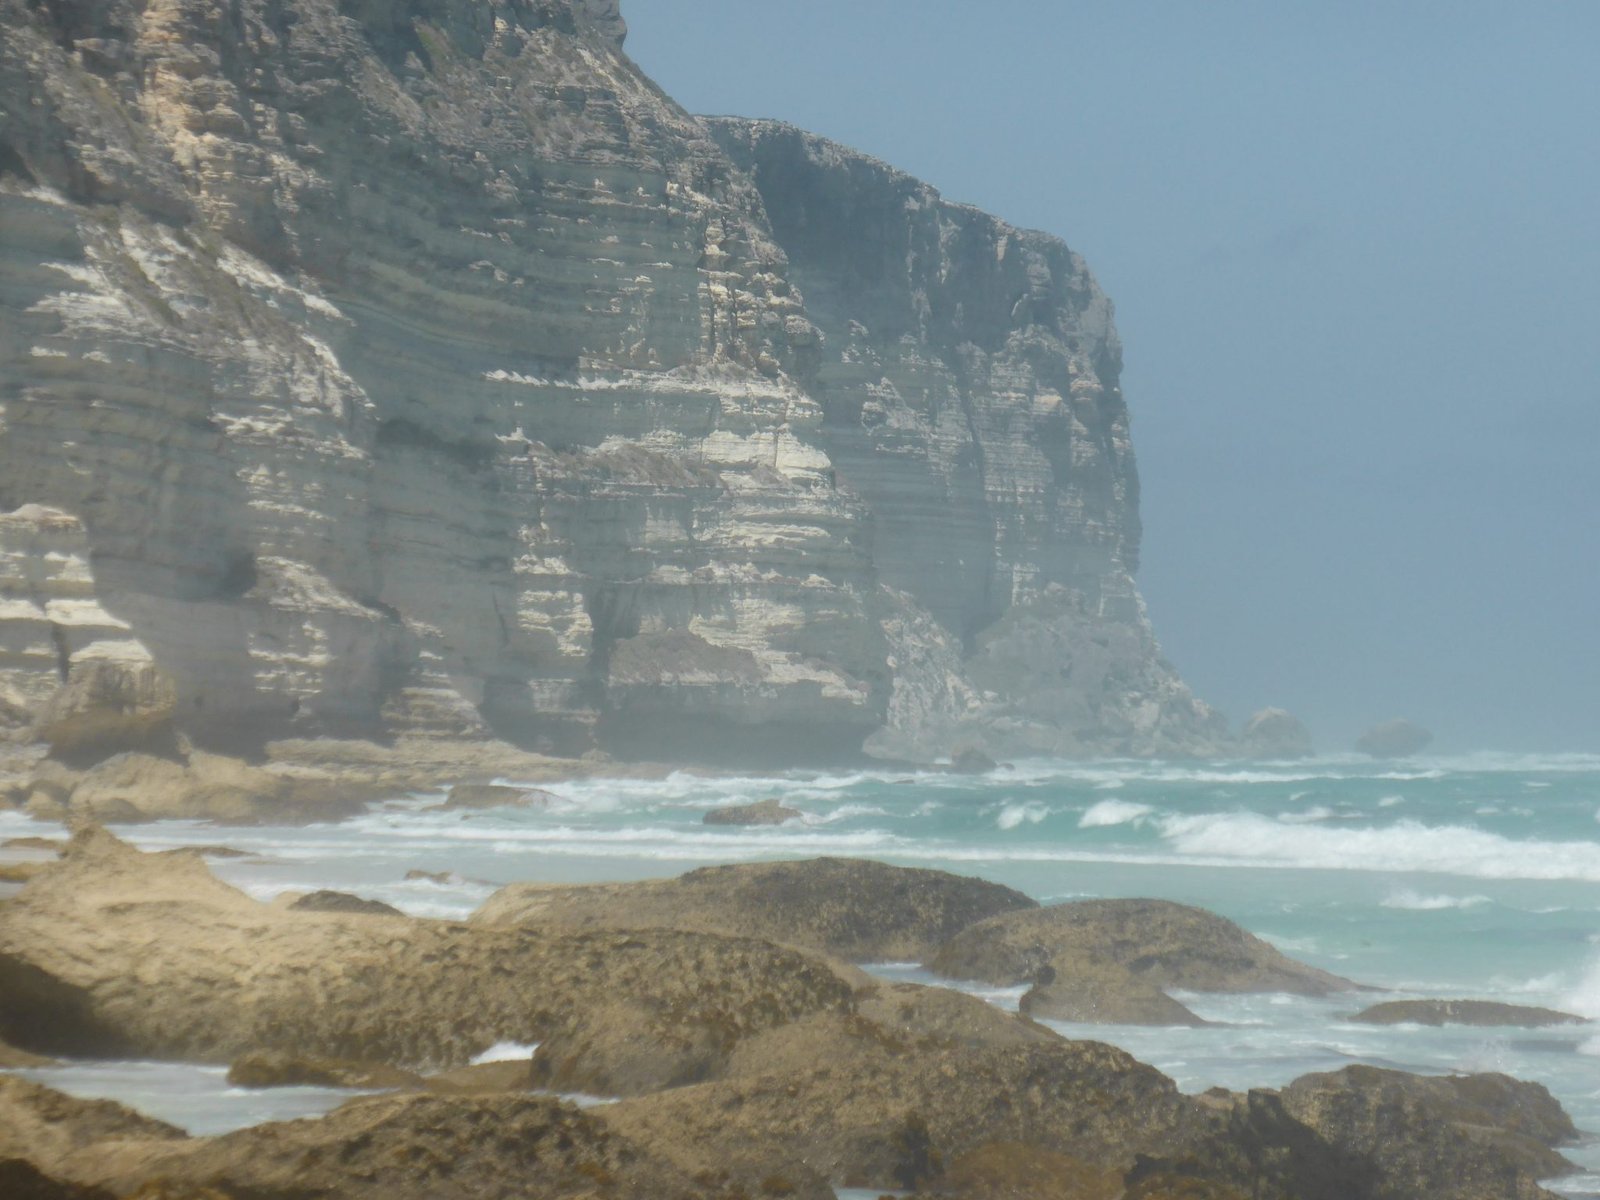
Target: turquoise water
(1468, 877)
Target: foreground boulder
(891, 1116)
(854, 909)
(1460, 1137)
(136, 954)
(1096, 1125)
(54, 1131)
(1464, 1012)
(21, 1180)
(412, 1147)
(1113, 960)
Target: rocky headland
(398, 394)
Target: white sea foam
(1420, 902)
(1292, 945)
(1247, 839)
(505, 1052)
(1317, 812)
(1013, 815)
(845, 812)
(1584, 999)
(1112, 812)
(1391, 801)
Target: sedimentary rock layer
(380, 369)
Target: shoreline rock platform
(747, 1066)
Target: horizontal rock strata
(418, 375)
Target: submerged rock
(762, 812)
(1464, 1012)
(1111, 961)
(855, 909)
(1394, 739)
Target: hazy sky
(1355, 254)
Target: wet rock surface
(1464, 1012)
(1113, 960)
(267, 1069)
(762, 812)
(853, 909)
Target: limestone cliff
(415, 367)
(969, 389)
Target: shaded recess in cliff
(386, 370)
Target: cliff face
(969, 388)
(419, 368)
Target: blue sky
(1355, 254)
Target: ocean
(1465, 877)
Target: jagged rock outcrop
(854, 909)
(1113, 960)
(392, 370)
